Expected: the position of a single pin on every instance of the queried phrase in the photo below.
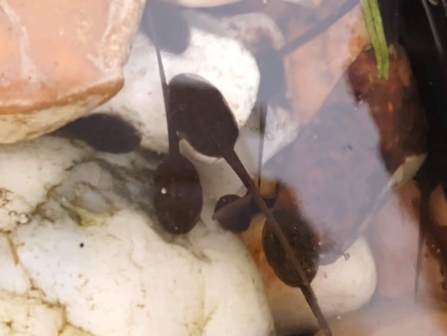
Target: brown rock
(344, 162)
(394, 104)
(316, 66)
(59, 60)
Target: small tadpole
(237, 221)
(232, 210)
(304, 243)
(178, 200)
(81, 245)
(104, 132)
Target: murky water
(348, 168)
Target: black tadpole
(240, 220)
(202, 116)
(178, 199)
(104, 132)
(302, 239)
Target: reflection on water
(349, 172)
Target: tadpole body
(104, 132)
(201, 115)
(178, 197)
(304, 243)
(235, 213)
(237, 222)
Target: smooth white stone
(94, 255)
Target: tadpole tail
(263, 109)
(318, 28)
(233, 160)
(423, 216)
(172, 135)
(436, 30)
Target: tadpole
(235, 213)
(240, 219)
(303, 241)
(104, 132)
(178, 199)
(201, 115)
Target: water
(351, 166)
(344, 169)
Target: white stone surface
(85, 255)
